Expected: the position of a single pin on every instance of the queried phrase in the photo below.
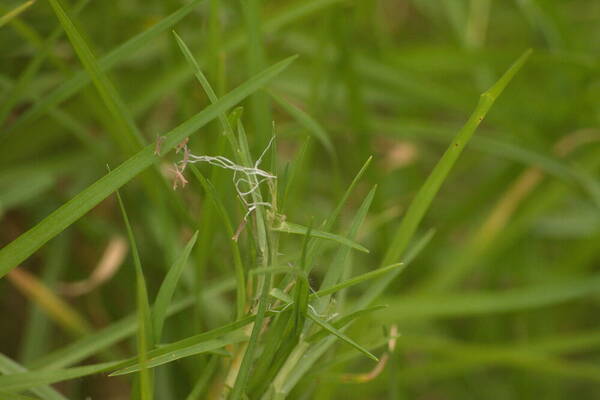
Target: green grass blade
(212, 96)
(22, 247)
(173, 355)
(8, 366)
(260, 108)
(341, 260)
(16, 93)
(117, 331)
(357, 280)
(340, 335)
(291, 174)
(376, 288)
(15, 12)
(289, 227)
(13, 396)
(208, 187)
(301, 292)
(204, 380)
(308, 122)
(422, 201)
(81, 79)
(37, 337)
(32, 379)
(144, 334)
(127, 134)
(343, 321)
(329, 222)
(193, 345)
(167, 289)
(488, 302)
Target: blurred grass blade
(167, 289)
(64, 315)
(331, 218)
(13, 396)
(193, 345)
(301, 292)
(460, 305)
(32, 379)
(289, 227)
(127, 133)
(376, 288)
(17, 92)
(15, 12)
(341, 261)
(260, 108)
(343, 321)
(144, 334)
(340, 335)
(8, 366)
(212, 96)
(37, 337)
(357, 280)
(308, 122)
(80, 79)
(203, 347)
(423, 199)
(22, 247)
(117, 331)
(204, 379)
(209, 188)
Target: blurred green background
(501, 303)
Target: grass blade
(127, 134)
(487, 302)
(64, 315)
(289, 227)
(340, 335)
(167, 357)
(144, 335)
(81, 79)
(341, 261)
(8, 366)
(210, 190)
(343, 321)
(167, 289)
(356, 280)
(15, 12)
(260, 108)
(308, 122)
(22, 247)
(420, 204)
(32, 379)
